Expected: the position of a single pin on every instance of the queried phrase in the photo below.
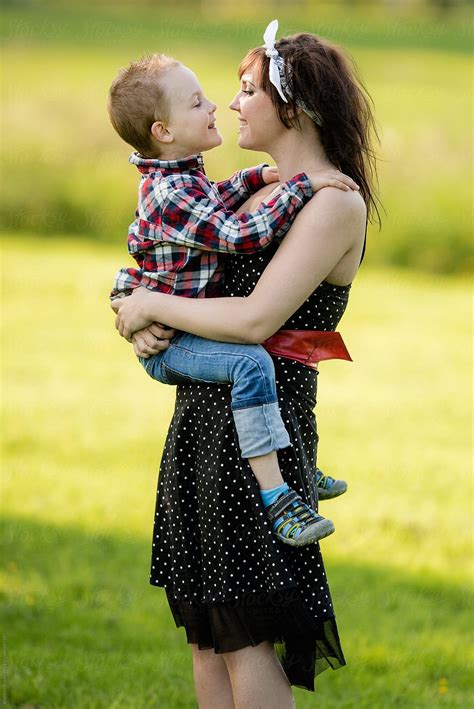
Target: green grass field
(83, 431)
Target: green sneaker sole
(339, 487)
(282, 511)
(313, 534)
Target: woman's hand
(131, 312)
(151, 340)
(330, 177)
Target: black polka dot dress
(228, 580)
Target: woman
(235, 589)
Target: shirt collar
(193, 162)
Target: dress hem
(305, 646)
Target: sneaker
(329, 487)
(295, 523)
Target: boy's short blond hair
(136, 101)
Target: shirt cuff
(116, 295)
(302, 183)
(252, 178)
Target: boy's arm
(191, 218)
(241, 185)
(125, 281)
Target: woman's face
(259, 123)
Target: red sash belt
(307, 346)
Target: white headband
(277, 71)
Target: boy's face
(191, 116)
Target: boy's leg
(250, 370)
(260, 429)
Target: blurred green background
(83, 427)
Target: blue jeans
(249, 368)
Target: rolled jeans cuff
(260, 430)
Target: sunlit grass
(84, 429)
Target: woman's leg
(211, 679)
(258, 679)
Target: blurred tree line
(262, 6)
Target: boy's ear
(161, 133)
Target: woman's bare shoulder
(343, 219)
(334, 219)
(343, 205)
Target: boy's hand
(151, 340)
(270, 174)
(331, 178)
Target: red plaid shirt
(185, 224)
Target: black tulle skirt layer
(304, 646)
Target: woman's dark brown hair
(325, 79)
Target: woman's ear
(161, 133)
(292, 113)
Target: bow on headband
(277, 72)
(276, 62)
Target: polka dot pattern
(212, 542)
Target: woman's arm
(331, 225)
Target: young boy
(184, 227)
